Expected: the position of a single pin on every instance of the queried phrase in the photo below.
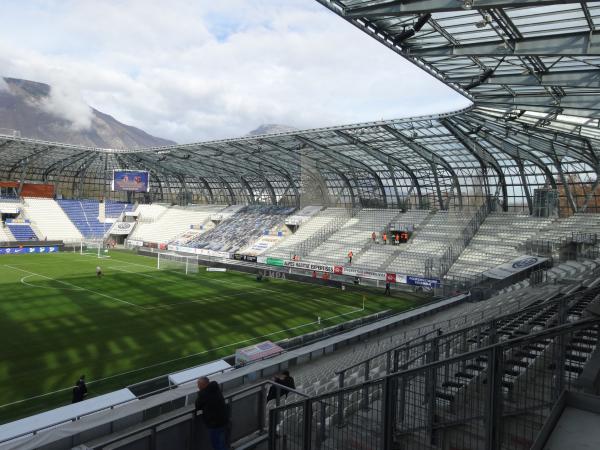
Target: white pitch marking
(44, 287)
(209, 280)
(74, 285)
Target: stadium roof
(531, 69)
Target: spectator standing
(384, 237)
(373, 236)
(397, 237)
(387, 289)
(350, 255)
(283, 379)
(214, 411)
(80, 390)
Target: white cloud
(66, 103)
(194, 70)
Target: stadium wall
(31, 189)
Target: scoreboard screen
(131, 180)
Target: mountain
(271, 128)
(39, 111)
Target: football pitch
(58, 321)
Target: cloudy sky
(192, 70)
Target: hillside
(36, 111)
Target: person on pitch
(387, 289)
(98, 271)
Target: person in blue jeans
(214, 412)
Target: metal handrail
(228, 396)
(405, 345)
(385, 352)
(494, 400)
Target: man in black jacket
(285, 380)
(80, 390)
(214, 411)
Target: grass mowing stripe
(142, 274)
(73, 285)
(162, 363)
(56, 334)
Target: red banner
(390, 277)
(338, 270)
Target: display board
(514, 266)
(131, 180)
(256, 352)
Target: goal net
(180, 263)
(94, 248)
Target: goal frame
(188, 261)
(98, 246)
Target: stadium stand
(226, 213)
(160, 224)
(51, 221)
(21, 231)
(8, 206)
(85, 215)
(454, 389)
(498, 240)
(242, 228)
(5, 235)
(378, 256)
(149, 213)
(430, 242)
(567, 226)
(270, 239)
(311, 231)
(303, 215)
(323, 375)
(354, 235)
(115, 209)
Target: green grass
(58, 320)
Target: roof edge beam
(570, 44)
(412, 7)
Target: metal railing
(391, 358)
(453, 338)
(175, 424)
(456, 247)
(495, 397)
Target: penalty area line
(181, 281)
(45, 287)
(75, 286)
